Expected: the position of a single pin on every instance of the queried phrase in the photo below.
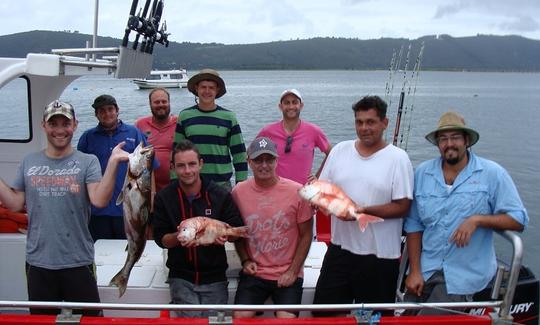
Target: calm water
(503, 107)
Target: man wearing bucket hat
(213, 129)
(459, 200)
(107, 222)
(296, 139)
(57, 186)
(280, 230)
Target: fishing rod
(138, 23)
(417, 71)
(405, 115)
(125, 40)
(389, 88)
(154, 22)
(401, 98)
(395, 68)
(390, 73)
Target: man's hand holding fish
(207, 231)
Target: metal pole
(94, 38)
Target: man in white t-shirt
(362, 267)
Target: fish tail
(239, 231)
(119, 280)
(365, 219)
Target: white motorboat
(177, 78)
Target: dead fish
(331, 198)
(205, 231)
(135, 197)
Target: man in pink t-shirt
(296, 139)
(159, 130)
(280, 232)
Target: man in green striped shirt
(214, 130)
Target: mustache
(450, 148)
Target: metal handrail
(321, 307)
(88, 50)
(515, 266)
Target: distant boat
(164, 78)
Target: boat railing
(124, 62)
(510, 273)
(222, 313)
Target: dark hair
(371, 102)
(185, 145)
(158, 89)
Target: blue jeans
(186, 293)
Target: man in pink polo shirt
(159, 130)
(295, 139)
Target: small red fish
(331, 198)
(207, 231)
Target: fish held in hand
(329, 197)
(207, 231)
(135, 198)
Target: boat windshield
(15, 111)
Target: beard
(452, 161)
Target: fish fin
(120, 198)
(120, 281)
(365, 219)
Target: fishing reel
(146, 24)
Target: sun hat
(261, 145)
(290, 91)
(452, 121)
(103, 100)
(206, 74)
(58, 108)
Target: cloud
(353, 2)
(451, 9)
(521, 24)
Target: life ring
(12, 222)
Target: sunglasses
(288, 144)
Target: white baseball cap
(290, 91)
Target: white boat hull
(149, 84)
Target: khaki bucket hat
(452, 121)
(206, 74)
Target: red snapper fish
(205, 231)
(135, 197)
(329, 197)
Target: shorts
(435, 291)
(253, 290)
(186, 293)
(77, 284)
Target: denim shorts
(186, 293)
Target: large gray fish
(135, 197)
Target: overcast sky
(254, 21)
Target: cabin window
(15, 123)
